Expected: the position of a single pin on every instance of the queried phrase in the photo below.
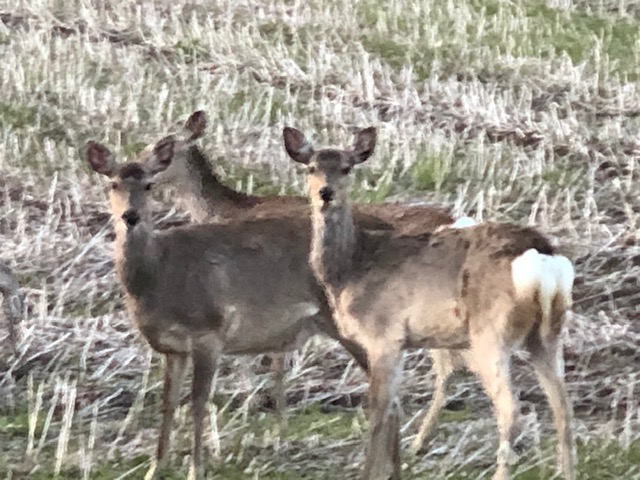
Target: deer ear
(297, 146)
(100, 158)
(162, 155)
(364, 145)
(196, 124)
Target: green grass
(16, 116)
(459, 35)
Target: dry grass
(504, 110)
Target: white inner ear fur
(306, 148)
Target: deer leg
(278, 366)
(383, 451)
(174, 373)
(546, 358)
(205, 356)
(443, 365)
(490, 362)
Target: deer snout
(131, 217)
(326, 194)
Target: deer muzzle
(131, 217)
(326, 194)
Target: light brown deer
(198, 291)
(207, 199)
(490, 288)
(11, 303)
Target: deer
(12, 303)
(197, 291)
(203, 195)
(487, 289)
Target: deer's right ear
(364, 145)
(196, 124)
(162, 155)
(100, 158)
(297, 146)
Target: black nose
(326, 194)
(131, 217)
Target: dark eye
(114, 185)
(346, 170)
(148, 186)
(312, 169)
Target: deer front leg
(278, 361)
(174, 373)
(205, 356)
(382, 460)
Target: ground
(516, 110)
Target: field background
(518, 111)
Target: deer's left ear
(100, 158)
(364, 145)
(196, 124)
(297, 146)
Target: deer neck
(204, 196)
(136, 257)
(333, 246)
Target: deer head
(328, 169)
(130, 182)
(170, 166)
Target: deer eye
(312, 169)
(148, 186)
(114, 185)
(346, 170)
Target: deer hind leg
(491, 362)
(205, 356)
(174, 373)
(546, 357)
(444, 366)
(383, 450)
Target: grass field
(514, 110)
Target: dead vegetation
(510, 123)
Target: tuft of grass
(132, 149)
(16, 116)
(314, 421)
(430, 171)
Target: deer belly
(440, 324)
(167, 339)
(269, 329)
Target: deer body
(490, 288)
(195, 279)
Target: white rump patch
(549, 275)
(462, 222)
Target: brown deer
(207, 199)
(490, 288)
(198, 291)
(12, 303)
